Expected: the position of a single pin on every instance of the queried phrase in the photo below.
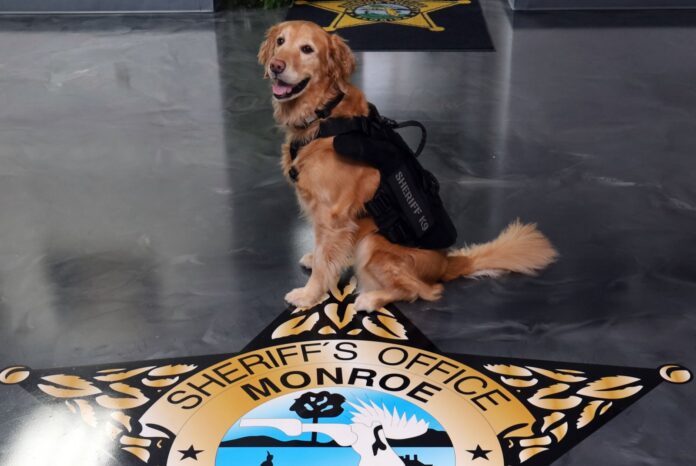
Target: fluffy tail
(519, 248)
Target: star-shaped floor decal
(170, 411)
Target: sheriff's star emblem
(363, 12)
(329, 385)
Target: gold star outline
(353, 13)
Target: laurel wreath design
(106, 401)
(571, 400)
(336, 315)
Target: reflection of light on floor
(302, 239)
(383, 74)
(56, 438)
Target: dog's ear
(342, 60)
(267, 47)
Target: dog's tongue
(280, 88)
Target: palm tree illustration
(313, 406)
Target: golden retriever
(308, 67)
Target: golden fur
(333, 190)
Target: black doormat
(400, 24)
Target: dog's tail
(519, 248)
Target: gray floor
(93, 6)
(520, 5)
(143, 214)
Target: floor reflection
(50, 436)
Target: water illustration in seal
(338, 426)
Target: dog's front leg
(334, 247)
(307, 260)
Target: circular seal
(382, 11)
(339, 426)
(338, 402)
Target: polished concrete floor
(143, 214)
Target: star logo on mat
(364, 12)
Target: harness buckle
(389, 122)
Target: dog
(308, 69)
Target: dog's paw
(306, 260)
(366, 302)
(303, 297)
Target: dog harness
(406, 207)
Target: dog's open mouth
(283, 90)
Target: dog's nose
(277, 66)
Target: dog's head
(302, 59)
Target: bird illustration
(372, 427)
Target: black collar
(323, 112)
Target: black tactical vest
(406, 207)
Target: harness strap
(323, 112)
(295, 147)
(328, 108)
(424, 134)
(336, 126)
(330, 127)
(392, 124)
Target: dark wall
(75, 6)
(598, 4)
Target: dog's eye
(306, 49)
(280, 41)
